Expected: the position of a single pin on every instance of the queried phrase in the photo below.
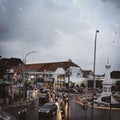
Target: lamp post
(24, 76)
(94, 82)
(68, 109)
(25, 60)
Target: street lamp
(26, 93)
(25, 60)
(94, 82)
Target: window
(104, 89)
(109, 89)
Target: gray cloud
(61, 29)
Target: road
(75, 113)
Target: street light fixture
(24, 77)
(25, 60)
(27, 55)
(94, 83)
(97, 31)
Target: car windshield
(48, 106)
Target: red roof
(49, 66)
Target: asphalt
(81, 99)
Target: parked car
(48, 109)
(43, 98)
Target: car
(45, 90)
(32, 87)
(6, 116)
(43, 98)
(48, 109)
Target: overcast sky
(60, 30)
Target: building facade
(54, 72)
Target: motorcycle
(62, 110)
(22, 113)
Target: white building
(56, 72)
